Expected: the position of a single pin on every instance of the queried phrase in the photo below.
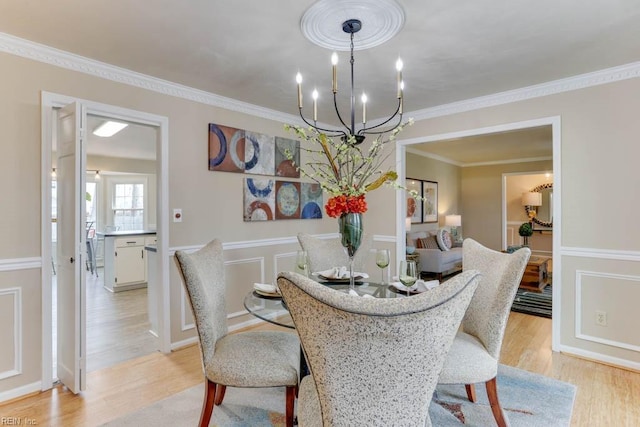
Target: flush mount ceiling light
(109, 128)
(375, 22)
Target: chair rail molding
(14, 264)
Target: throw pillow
(431, 243)
(444, 239)
(420, 243)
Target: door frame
(555, 122)
(49, 102)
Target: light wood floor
(606, 396)
(117, 324)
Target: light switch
(177, 215)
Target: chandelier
(352, 26)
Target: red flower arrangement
(344, 169)
(342, 204)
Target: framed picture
(430, 201)
(414, 207)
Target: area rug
(535, 303)
(529, 400)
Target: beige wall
(448, 178)
(211, 202)
(599, 153)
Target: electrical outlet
(177, 215)
(601, 318)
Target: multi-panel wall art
(270, 199)
(243, 151)
(238, 150)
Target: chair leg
(471, 392)
(292, 392)
(492, 394)
(220, 394)
(207, 405)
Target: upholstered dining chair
(247, 359)
(475, 352)
(373, 361)
(328, 253)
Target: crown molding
(468, 165)
(581, 81)
(49, 55)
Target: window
(91, 202)
(128, 206)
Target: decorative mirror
(543, 214)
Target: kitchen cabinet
(125, 260)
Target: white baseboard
(184, 343)
(20, 391)
(598, 357)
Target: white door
(71, 369)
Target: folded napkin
(419, 286)
(266, 287)
(355, 294)
(339, 273)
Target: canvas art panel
(287, 200)
(311, 201)
(259, 158)
(284, 166)
(414, 205)
(430, 202)
(226, 148)
(259, 199)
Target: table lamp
(454, 221)
(530, 201)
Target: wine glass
(407, 274)
(302, 262)
(382, 261)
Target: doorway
(453, 137)
(102, 171)
(120, 194)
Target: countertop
(127, 233)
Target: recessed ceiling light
(109, 128)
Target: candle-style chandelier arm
(352, 26)
(368, 130)
(335, 105)
(330, 132)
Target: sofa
(439, 257)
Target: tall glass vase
(350, 227)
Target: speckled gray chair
(475, 351)
(373, 361)
(248, 359)
(328, 253)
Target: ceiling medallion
(321, 23)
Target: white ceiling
(133, 142)
(250, 50)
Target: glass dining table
(273, 310)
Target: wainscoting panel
(612, 298)
(10, 332)
(248, 262)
